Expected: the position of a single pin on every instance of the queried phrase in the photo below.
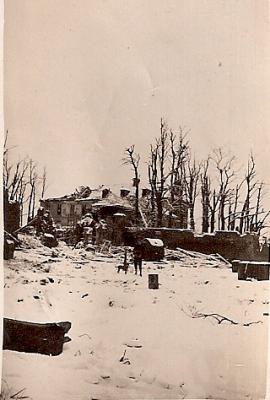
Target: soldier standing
(138, 257)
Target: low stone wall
(253, 270)
(229, 244)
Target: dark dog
(123, 268)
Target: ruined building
(68, 210)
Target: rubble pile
(83, 253)
(195, 259)
(29, 241)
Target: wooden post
(153, 281)
(242, 271)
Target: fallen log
(30, 223)
(218, 256)
(143, 217)
(10, 236)
(30, 337)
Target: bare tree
(210, 198)
(213, 210)
(18, 177)
(33, 179)
(179, 150)
(191, 181)
(174, 179)
(173, 164)
(6, 166)
(43, 182)
(205, 195)
(259, 216)
(251, 184)
(22, 182)
(224, 166)
(21, 198)
(151, 168)
(255, 225)
(157, 171)
(133, 159)
(216, 194)
(232, 217)
(14, 177)
(251, 214)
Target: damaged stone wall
(229, 244)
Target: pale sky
(84, 79)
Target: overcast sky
(84, 79)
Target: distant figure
(137, 256)
(94, 225)
(101, 230)
(39, 220)
(78, 233)
(94, 234)
(48, 224)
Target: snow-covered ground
(169, 350)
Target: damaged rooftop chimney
(105, 193)
(124, 192)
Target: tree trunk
(191, 217)
(33, 203)
(159, 210)
(30, 205)
(212, 221)
(222, 214)
(137, 202)
(205, 208)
